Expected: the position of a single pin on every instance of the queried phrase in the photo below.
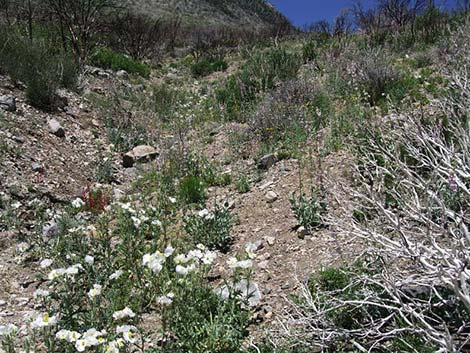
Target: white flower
(136, 220)
(89, 260)
(78, 203)
(172, 199)
(154, 261)
(95, 291)
(80, 345)
(127, 333)
(66, 335)
(209, 257)
(93, 337)
(181, 270)
(180, 259)
(16, 205)
(195, 254)
(124, 313)
(116, 274)
(166, 299)
(113, 346)
(7, 330)
(73, 270)
(22, 247)
(232, 262)
(43, 320)
(46, 263)
(41, 293)
(250, 249)
(169, 251)
(54, 274)
(201, 247)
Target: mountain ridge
(252, 13)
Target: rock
(139, 154)
(302, 232)
(8, 103)
(38, 168)
(263, 264)
(122, 74)
(55, 128)
(229, 204)
(271, 197)
(50, 230)
(270, 240)
(267, 161)
(19, 139)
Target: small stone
(267, 161)
(19, 139)
(263, 264)
(302, 232)
(8, 103)
(55, 128)
(229, 204)
(139, 154)
(122, 74)
(50, 230)
(3, 303)
(285, 286)
(37, 168)
(270, 240)
(271, 197)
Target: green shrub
(108, 59)
(207, 66)
(40, 68)
(310, 51)
(259, 74)
(165, 98)
(192, 190)
(211, 229)
(202, 322)
(309, 209)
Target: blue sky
(301, 12)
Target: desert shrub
(108, 59)
(376, 75)
(42, 70)
(209, 324)
(165, 98)
(310, 51)
(309, 210)
(207, 66)
(211, 229)
(192, 190)
(259, 74)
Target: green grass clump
(309, 209)
(108, 59)
(208, 66)
(192, 190)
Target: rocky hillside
(255, 13)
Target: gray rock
(122, 74)
(139, 154)
(302, 232)
(38, 168)
(55, 128)
(267, 161)
(50, 230)
(8, 103)
(270, 240)
(19, 139)
(271, 197)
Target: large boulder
(142, 153)
(8, 103)
(267, 161)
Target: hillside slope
(255, 13)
